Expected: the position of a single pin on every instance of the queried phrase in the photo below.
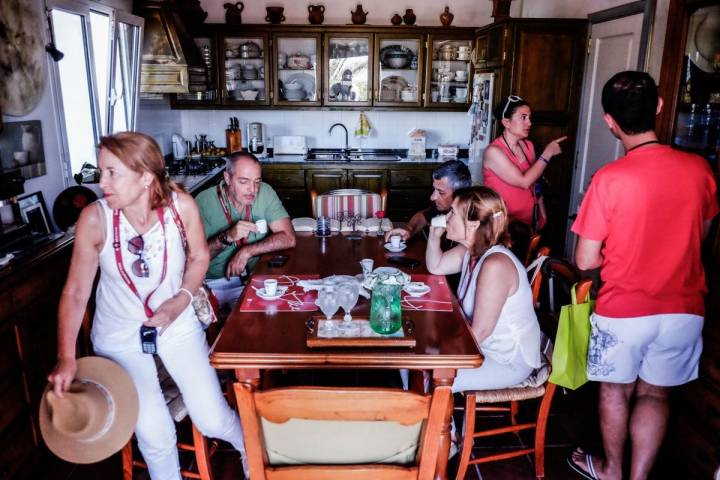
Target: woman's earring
(147, 186)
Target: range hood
(171, 61)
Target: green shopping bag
(569, 360)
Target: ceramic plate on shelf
(390, 88)
(307, 81)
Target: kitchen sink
(352, 156)
(327, 157)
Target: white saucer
(416, 289)
(402, 247)
(280, 292)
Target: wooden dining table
(251, 342)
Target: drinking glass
(348, 295)
(329, 304)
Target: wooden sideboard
(29, 294)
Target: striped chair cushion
(365, 204)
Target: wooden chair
(300, 433)
(536, 386)
(536, 280)
(200, 447)
(532, 251)
(350, 201)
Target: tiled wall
(389, 128)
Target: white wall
(468, 13)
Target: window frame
(83, 8)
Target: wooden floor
(573, 421)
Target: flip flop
(588, 474)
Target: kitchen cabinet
(323, 180)
(243, 69)
(370, 180)
(361, 67)
(690, 81)
(398, 78)
(448, 71)
(542, 61)
(29, 296)
(296, 70)
(409, 185)
(690, 75)
(348, 64)
(207, 94)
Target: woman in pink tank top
(509, 164)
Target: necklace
(513, 151)
(649, 142)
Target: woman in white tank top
(494, 292)
(147, 276)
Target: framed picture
(34, 212)
(21, 148)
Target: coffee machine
(256, 144)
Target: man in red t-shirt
(642, 221)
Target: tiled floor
(573, 422)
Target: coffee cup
(439, 222)
(461, 75)
(367, 265)
(262, 226)
(395, 241)
(271, 286)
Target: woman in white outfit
(147, 276)
(494, 291)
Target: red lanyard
(118, 260)
(226, 211)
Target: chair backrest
(532, 249)
(349, 201)
(351, 433)
(557, 277)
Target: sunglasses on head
(510, 99)
(139, 267)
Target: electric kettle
(180, 150)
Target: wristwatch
(223, 238)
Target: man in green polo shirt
(229, 213)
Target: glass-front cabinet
(243, 70)
(398, 77)
(697, 125)
(204, 91)
(348, 69)
(448, 71)
(296, 69)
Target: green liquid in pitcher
(385, 309)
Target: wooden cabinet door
(370, 180)
(348, 69)
(398, 71)
(296, 69)
(321, 181)
(244, 69)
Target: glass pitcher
(385, 309)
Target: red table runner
(438, 299)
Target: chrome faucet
(347, 145)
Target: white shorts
(663, 350)
(226, 291)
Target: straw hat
(96, 416)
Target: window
(97, 80)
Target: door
(243, 68)
(614, 46)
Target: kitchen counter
(279, 159)
(194, 184)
